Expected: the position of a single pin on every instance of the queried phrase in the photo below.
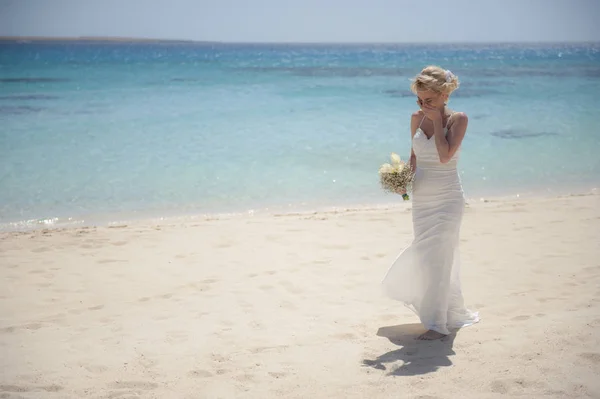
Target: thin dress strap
(421, 122)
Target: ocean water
(113, 131)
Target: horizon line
(157, 40)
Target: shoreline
(149, 219)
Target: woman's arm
(447, 145)
(415, 120)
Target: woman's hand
(431, 113)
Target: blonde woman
(425, 276)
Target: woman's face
(431, 99)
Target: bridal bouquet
(397, 176)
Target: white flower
(448, 75)
(395, 159)
(386, 168)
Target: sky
(307, 21)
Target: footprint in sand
(244, 377)
(543, 300)
(177, 336)
(500, 387)
(39, 250)
(591, 356)
(141, 385)
(37, 271)
(218, 358)
(255, 325)
(75, 311)
(201, 315)
(95, 369)
(321, 261)
(260, 349)
(32, 388)
(130, 390)
(44, 285)
(272, 237)
(245, 305)
(291, 288)
(33, 326)
(288, 305)
(592, 269)
(277, 375)
(509, 385)
(203, 285)
(199, 374)
(227, 323)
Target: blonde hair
(435, 79)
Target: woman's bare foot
(430, 335)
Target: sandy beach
(290, 306)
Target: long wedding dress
(425, 276)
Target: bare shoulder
(417, 115)
(415, 121)
(459, 123)
(460, 117)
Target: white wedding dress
(425, 276)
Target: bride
(425, 276)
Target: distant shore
(94, 39)
(117, 39)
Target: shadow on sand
(417, 357)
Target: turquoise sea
(107, 131)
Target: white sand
(290, 307)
